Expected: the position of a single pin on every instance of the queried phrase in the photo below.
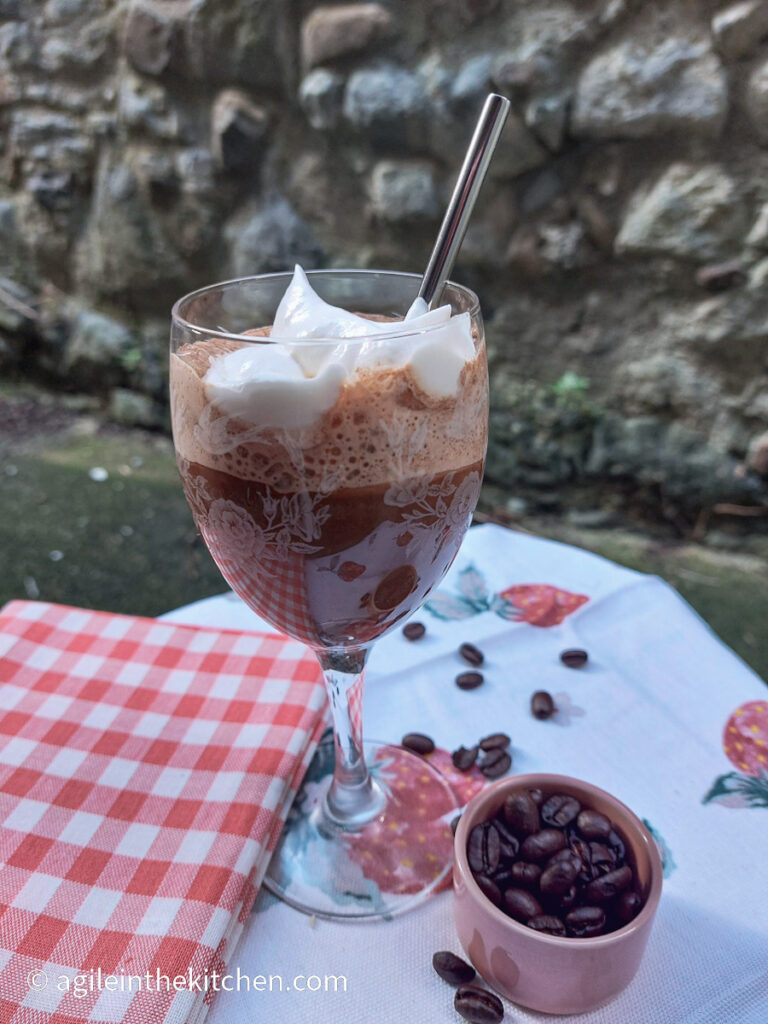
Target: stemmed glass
(334, 522)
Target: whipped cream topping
(292, 384)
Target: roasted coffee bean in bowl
(556, 884)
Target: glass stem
(353, 797)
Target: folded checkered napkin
(145, 772)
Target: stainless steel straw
(471, 177)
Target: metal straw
(471, 177)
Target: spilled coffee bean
(472, 655)
(418, 743)
(494, 741)
(496, 763)
(452, 968)
(464, 758)
(414, 630)
(542, 705)
(535, 860)
(469, 680)
(478, 1006)
(574, 658)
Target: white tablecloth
(645, 720)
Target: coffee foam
(382, 427)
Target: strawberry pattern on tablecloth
(538, 604)
(745, 741)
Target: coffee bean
(414, 630)
(495, 764)
(537, 795)
(455, 823)
(510, 844)
(617, 844)
(464, 758)
(547, 923)
(489, 888)
(568, 898)
(542, 705)
(629, 905)
(496, 739)
(472, 655)
(585, 921)
(452, 968)
(522, 814)
(606, 886)
(541, 845)
(525, 874)
(559, 875)
(581, 848)
(418, 743)
(483, 849)
(574, 658)
(559, 810)
(469, 680)
(521, 904)
(602, 858)
(478, 1006)
(593, 825)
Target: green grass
(125, 544)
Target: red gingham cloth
(145, 771)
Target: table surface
(646, 720)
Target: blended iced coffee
(333, 462)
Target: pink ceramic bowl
(544, 972)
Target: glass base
(389, 865)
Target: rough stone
(97, 346)
(758, 455)
(338, 31)
(739, 29)
(195, 168)
(517, 151)
(471, 85)
(148, 39)
(662, 381)
(17, 306)
(690, 212)
(403, 190)
(133, 409)
(233, 43)
(758, 235)
(144, 106)
(18, 47)
(271, 238)
(757, 101)
(641, 88)
(126, 250)
(547, 117)
(719, 277)
(321, 95)
(384, 102)
(238, 128)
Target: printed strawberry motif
(540, 604)
(745, 741)
(410, 844)
(463, 784)
(745, 737)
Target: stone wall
(620, 248)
